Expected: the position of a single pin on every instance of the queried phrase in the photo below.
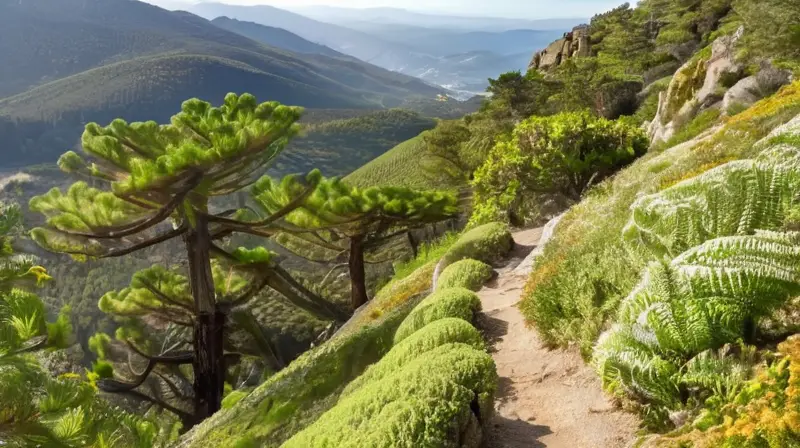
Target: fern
(733, 199)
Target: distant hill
(353, 17)
(449, 42)
(74, 61)
(275, 37)
(404, 165)
(429, 54)
(364, 46)
(362, 139)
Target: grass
(426, 253)
(585, 271)
(701, 123)
(404, 165)
(340, 146)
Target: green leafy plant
(560, 155)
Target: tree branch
(285, 210)
(183, 415)
(158, 293)
(144, 223)
(181, 358)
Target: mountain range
(443, 55)
(69, 62)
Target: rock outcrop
(695, 86)
(576, 43)
(753, 88)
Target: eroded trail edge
(546, 398)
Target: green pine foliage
(456, 302)
(469, 274)
(36, 409)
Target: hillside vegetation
(133, 60)
(668, 152)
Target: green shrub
(559, 155)
(470, 274)
(454, 302)
(426, 402)
(487, 243)
(443, 331)
(297, 395)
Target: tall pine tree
(153, 183)
(348, 221)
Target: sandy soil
(546, 398)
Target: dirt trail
(545, 398)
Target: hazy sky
(528, 9)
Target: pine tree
(348, 221)
(157, 183)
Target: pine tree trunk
(209, 362)
(358, 277)
(413, 243)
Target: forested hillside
(602, 252)
(136, 61)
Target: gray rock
(753, 88)
(743, 92)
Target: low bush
(470, 274)
(440, 332)
(297, 395)
(487, 243)
(454, 302)
(433, 400)
(556, 156)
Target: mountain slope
(123, 58)
(85, 34)
(275, 37)
(366, 47)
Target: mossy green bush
(425, 403)
(470, 274)
(444, 331)
(487, 243)
(453, 302)
(294, 397)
